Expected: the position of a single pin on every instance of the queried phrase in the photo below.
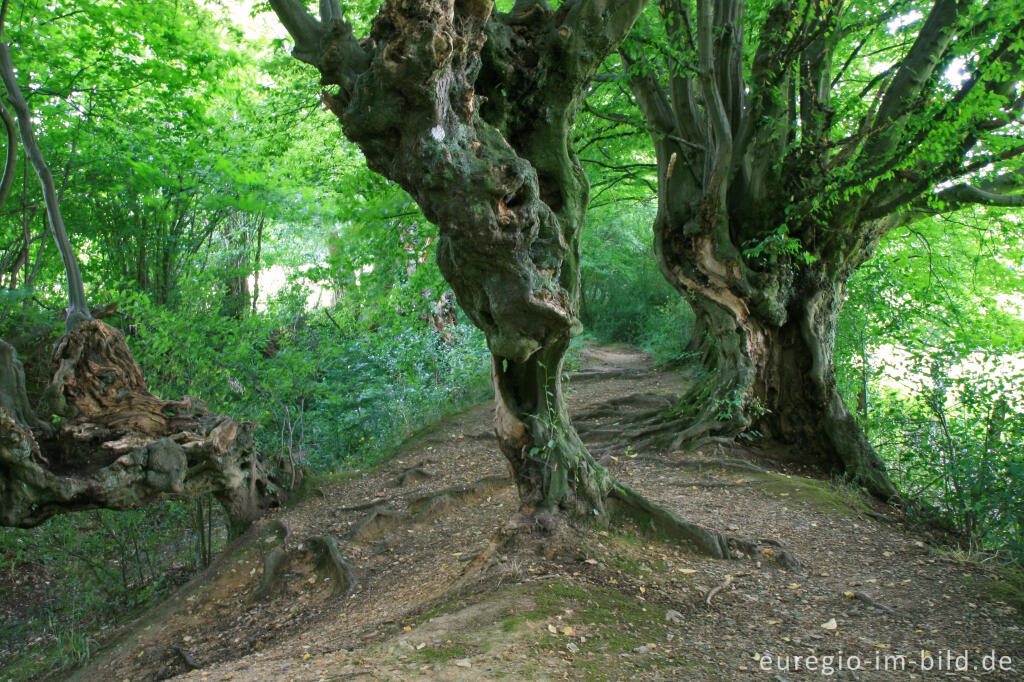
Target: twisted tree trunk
(470, 111)
(773, 377)
(773, 189)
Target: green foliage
(92, 566)
(931, 351)
(625, 298)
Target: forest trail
(445, 591)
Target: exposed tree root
(120, 447)
(610, 373)
(463, 494)
(380, 521)
(329, 563)
(190, 661)
(599, 431)
(657, 426)
(753, 548)
(665, 523)
(322, 552)
(363, 506)
(716, 589)
(655, 405)
(871, 602)
(479, 562)
(700, 464)
(273, 564)
(410, 476)
(276, 531)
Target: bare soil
(447, 590)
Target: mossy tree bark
(768, 199)
(470, 111)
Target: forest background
(253, 261)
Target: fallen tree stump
(115, 445)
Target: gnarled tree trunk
(551, 466)
(470, 111)
(772, 190)
(773, 377)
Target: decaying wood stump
(115, 445)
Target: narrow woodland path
(446, 591)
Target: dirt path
(445, 594)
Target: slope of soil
(448, 589)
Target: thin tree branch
(78, 310)
(969, 194)
(302, 27)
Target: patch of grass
(62, 649)
(814, 493)
(613, 623)
(633, 557)
(444, 606)
(442, 653)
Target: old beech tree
(790, 138)
(470, 111)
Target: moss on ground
(1008, 586)
(442, 653)
(816, 494)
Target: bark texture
(116, 445)
(767, 204)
